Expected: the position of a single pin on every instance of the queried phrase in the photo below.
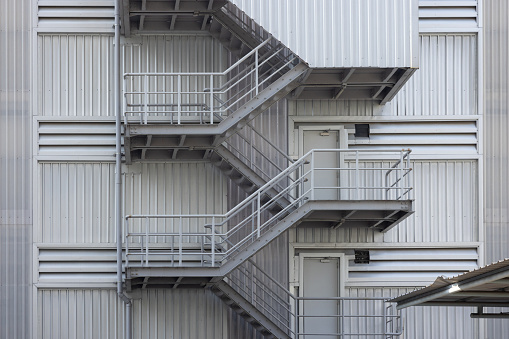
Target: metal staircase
(203, 248)
(277, 313)
(165, 119)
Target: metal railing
(201, 97)
(213, 239)
(308, 317)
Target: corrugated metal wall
(427, 322)
(446, 199)
(76, 199)
(75, 71)
(496, 151)
(369, 33)
(444, 84)
(15, 169)
(94, 313)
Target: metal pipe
(118, 149)
(118, 168)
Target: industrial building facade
(266, 187)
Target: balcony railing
(202, 97)
(308, 317)
(210, 240)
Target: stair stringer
(247, 311)
(230, 125)
(248, 174)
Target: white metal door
(324, 139)
(320, 279)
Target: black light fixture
(362, 130)
(361, 257)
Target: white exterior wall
(347, 33)
(74, 183)
(438, 115)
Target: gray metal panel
(71, 313)
(181, 313)
(427, 322)
(15, 169)
(76, 201)
(458, 15)
(94, 313)
(446, 199)
(76, 70)
(75, 15)
(348, 33)
(444, 84)
(496, 124)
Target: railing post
(213, 245)
(180, 241)
(342, 333)
(258, 213)
(401, 175)
(384, 318)
(125, 100)
(126, 232)
(256, 72)
(211, 99)
(145, 113)
(146, 241)
(179, 99)
(312, 175)
(357, 175)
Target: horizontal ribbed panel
(447, 14)
(445, 205)
(75, 15)
(348, 33)
(388, 266)
(75, 139)
(77, 201)
(444, 84)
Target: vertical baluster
(258, 232)
(211, 99)
(357, 175)
(180, 241)
(213, 242)
(179, 98)
(145, 112)
(146, 241)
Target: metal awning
(487, 286)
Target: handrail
(142, 96)
(249, 220)
(288, 312)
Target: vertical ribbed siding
(496, 150)
(76, 70)
(444, 84)
(15, 169)
(75, 75)
(182, 313)
(77, 204)
(445, 209)
(88, 313)
(427, 322)
(347, 33)
(71, 313)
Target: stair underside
(379, 215)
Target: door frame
(342, 135)
(342, 270)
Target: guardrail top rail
(304, 317)
(321, 174)
(201, 97)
